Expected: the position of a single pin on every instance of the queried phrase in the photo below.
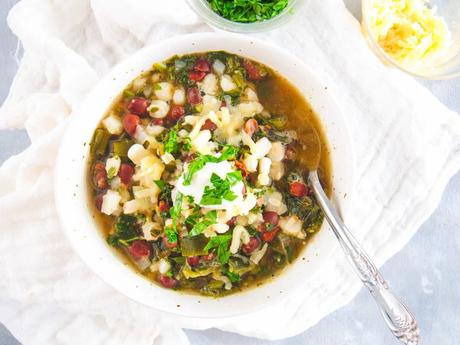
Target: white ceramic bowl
(72, 190)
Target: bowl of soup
(181, 179)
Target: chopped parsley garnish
(187, 144)
(248, 11)
(209, 219)
(221, 242)
(229, 152)
(221, 189)
(174, 212)
(126, 231)
(171, 142)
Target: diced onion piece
(240, 235)
(264, 165)
(115, 183)
(164, 266)
(113, 125)
(201, 142)
(249, 109)
(142, 136)
(210, 104)
(150, 192)
(167, 158)
(277, 170)
(111, 202)
(182, 133)
(209, 84)
(218, 67)
(154, 130)
(112, 165)
(136, 152)
(164, 91)
(274, 202)
(261, 148)
(227, 84)
(191, 119)
(251, 163)
(250, 95)
(263, 179)
(158, 109)
(130, 207)
(248, 203)
(151, 167)
(254, 218)
(258, 254)
(292, 226)
(179, 96)
(220, 228)
(277, 152)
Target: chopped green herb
(209, 219)
(229, 152)
(221, 242)
(234, 277)
(221, 189)
(191, 220)
(171, 142)
(186, 144)
(174, 212)
(171, 234)
(248, 11)
(157, 87)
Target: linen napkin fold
(407, 146)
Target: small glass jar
(446, 66)
(202, 8)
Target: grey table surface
(425, 272)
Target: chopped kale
(126, 231)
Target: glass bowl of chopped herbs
(246, 16)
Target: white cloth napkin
(407, 146)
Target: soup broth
(197, 177)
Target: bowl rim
(71, 192)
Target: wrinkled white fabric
(406, 143)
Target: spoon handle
(397, 317)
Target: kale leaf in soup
(197, 177)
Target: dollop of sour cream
(202, 178)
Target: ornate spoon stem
(397, 317)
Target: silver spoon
(397, 317)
